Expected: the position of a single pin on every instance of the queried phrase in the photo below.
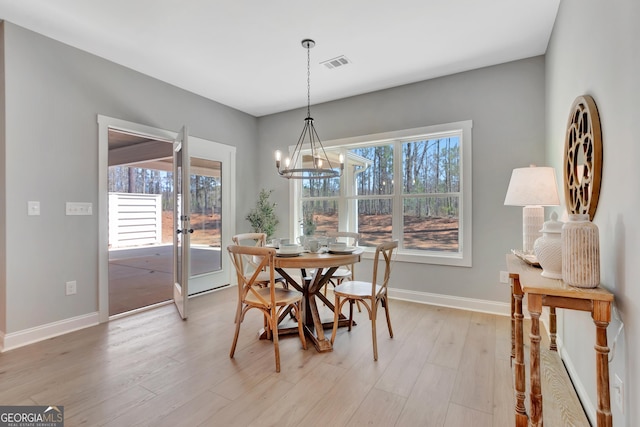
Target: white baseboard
(484, 306)
(581, 391)
(39, 333)
(43, 332)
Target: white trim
(587, 404)
(416, 258)
(50, 330)
(464, 258)
(471, 304)
(162, 304)
(581, 390)
(140, 310)
(199, 147)
(404, 133)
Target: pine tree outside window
(412, 185)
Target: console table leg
(521, 412)
(513, 326)
(601, 318)
(535, 308)
(553, 328)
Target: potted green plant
(263, 218)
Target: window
(431, 193)
(413, 185)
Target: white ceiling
(247, 53)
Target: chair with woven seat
(272, 301)
(344, 272)
(251, 263)
(370, 294)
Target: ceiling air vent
(339, 61)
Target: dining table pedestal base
(289, 327)
(311, 287)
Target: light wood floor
(444, 367)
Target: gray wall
(3, 247)
(53, 95)
(48, 152)
(506, 104)
(595, 50)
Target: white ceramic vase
(548, 248)
(580, 252)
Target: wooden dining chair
(370, 294)
(250, 263)
(270, 300)
(345, 272)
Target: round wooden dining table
(325, 264)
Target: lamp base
(532, 222)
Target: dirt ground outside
(206, 228)
(433, 233)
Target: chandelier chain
(308, 81)
(319, 166)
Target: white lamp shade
(532, 186)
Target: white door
(209, 159)
(211, 214)
(183, 230)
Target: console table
(554, 294)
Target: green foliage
(308, 223)
(263, 218)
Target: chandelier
(317, 164)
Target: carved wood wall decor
(583, 158)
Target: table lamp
(533, 188)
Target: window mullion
(397, 218)
(344, 213)
(431, 200)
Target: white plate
(288, 254)
(345, 251)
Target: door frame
(198, 148)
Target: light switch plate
(79, 208)
(33, 208)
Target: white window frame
(462, 258)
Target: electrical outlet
(504, 277)
(618, 392)
(71, 288)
